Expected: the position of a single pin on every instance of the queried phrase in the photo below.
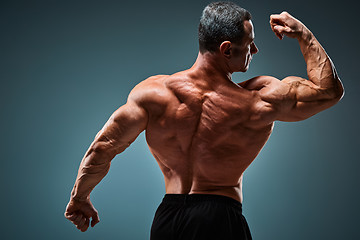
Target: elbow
(339, 91)
(342, 91)
(340, 95)
(336, 93)
(100, 147)
(103, 149)
(108, 149)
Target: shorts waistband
(195, 198)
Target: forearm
(93, 168)
(320, 69)
(118, 133)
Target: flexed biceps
(204, 130)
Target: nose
(254, 48)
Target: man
(204, 130)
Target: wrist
(78, 197)
(306, 35)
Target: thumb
(95, 219)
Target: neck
(212, 65)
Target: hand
(79, 213)
(285, 24)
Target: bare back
(206, 134)
(203, 129)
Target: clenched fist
(285, 24)
(79, 213)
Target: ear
(225, 48)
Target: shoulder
(259, 82)
(152, 93)
(151, 87)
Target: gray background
(67, 65)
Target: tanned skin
(203, 129)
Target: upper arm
(307, 99)
(293, 98)
(122, 128)
(127, 122)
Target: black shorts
(199, 216)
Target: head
(227, 29)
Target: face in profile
(242, 52)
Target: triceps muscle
(122, 128)
(307, 91)
(308, 99)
